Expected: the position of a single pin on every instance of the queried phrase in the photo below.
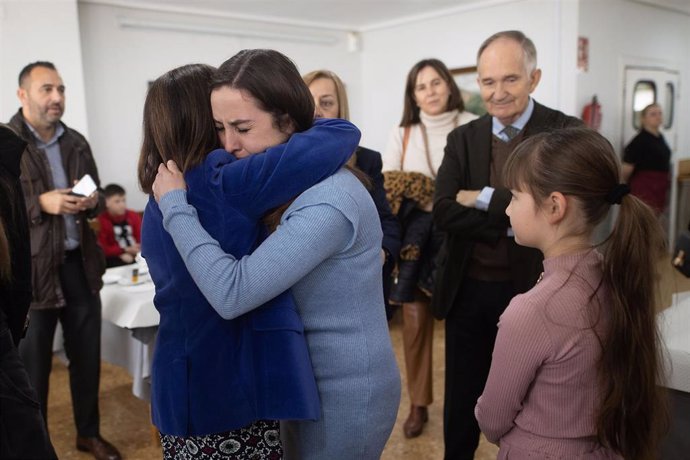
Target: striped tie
(510, 132)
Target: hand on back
(169, 178)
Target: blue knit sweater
(327, 249)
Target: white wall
(119, 62)
(624, 33)
(42, 30)
(107, 86)
(389, 53)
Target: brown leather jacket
(48, 231)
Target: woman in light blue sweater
(327, 249)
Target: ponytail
(633, 415)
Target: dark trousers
(23, 434)
(81, 325)
(470, 336)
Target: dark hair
(24, 74)
(273, 80)
(581, 163)
(410, 108)
(178, 124)
(528, 48)
(113, 189)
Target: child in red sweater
(120, 232)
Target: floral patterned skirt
(258, 441)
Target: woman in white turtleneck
(433, 108)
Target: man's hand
(169, 178)
(88, 202)
(467, 198)
(59, 201)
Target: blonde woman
(433, 108)
(330, 101)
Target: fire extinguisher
(591, 114)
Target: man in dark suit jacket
(480, 266)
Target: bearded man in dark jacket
(67, 263)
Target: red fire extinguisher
(591, 114)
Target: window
(643, 95)
(668, 107)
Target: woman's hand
(169, 178)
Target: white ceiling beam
(204, 29)
(216, 13)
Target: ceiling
(681, 6)
(350, 15)
(354, 15)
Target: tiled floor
(125, 419)
(430, 444)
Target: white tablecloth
(119, 347)
(128, 307)
(674, 324)
(129, 327)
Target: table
(674, 324)
(128, 306)
(129, 326)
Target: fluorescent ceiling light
(128, 23)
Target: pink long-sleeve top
(542, 395)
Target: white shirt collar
(59, 131)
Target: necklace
(425, 137)
(541, 276)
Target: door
(644, 86)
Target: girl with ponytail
(576, 368)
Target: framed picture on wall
(466, 79)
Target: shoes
(414, 424)
(99, 448)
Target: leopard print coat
(411, 185)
